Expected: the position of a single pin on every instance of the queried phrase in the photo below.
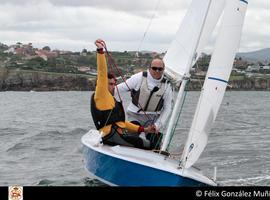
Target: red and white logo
(15, 193)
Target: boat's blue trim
(217, 79)
(125, 173)
(244, 1)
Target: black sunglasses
(157, 68)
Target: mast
(186, 76)
(174, 115)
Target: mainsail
(216, 81)
(192, 36)
(213, 15)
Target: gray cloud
(76, 24)
(139, 7)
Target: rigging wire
(112, 64)
(148, 26)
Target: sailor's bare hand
(156, 129)
(150, 129)
(100, 43)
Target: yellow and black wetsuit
(104, 104)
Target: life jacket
(102, 118)
(149, 100)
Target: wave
(56, 133)
(93, 182)
(45, 182)
(81, 182)
(17, 146)
(44, 141)
(250, 181)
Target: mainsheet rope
(112, 64)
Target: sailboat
(127, 166)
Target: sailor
(108, 114)
(151, 96)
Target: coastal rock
(15, 80)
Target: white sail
(216, 80)
(213, 15)
(192, 36)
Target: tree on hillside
(203, 62)
(37, 63)
(46, 48)
(4, 72)
(86, 60)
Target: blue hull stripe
(244, 1)
(125, 173)
(217, 79)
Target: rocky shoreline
(16, 80)
(42, 81)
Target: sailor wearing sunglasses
(151, 95)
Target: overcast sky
(75, 24)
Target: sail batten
(218, 79)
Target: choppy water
(40, 136)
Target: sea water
(40, 135)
